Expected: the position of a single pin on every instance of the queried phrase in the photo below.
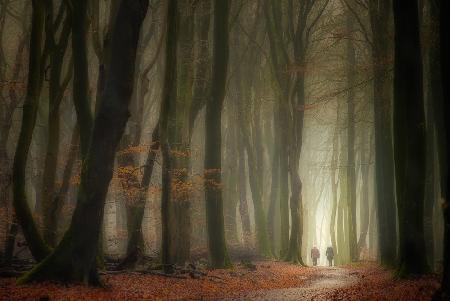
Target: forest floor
(263, 280)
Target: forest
(224, 150)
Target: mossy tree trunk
(37, 245)
(213, 184)
(74, 259)
(7, 109)
(179, 138)
(409, 139)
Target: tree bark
(351, 182)
(409, 138)
(168, 98)
(74, 258)
(57, 86)
(38, 247)
(444, 292)
(213, 184)
(384, 172)
(80, 74)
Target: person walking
(315, 254)
(330, 255)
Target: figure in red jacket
(315, 254)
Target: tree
(409, 138)
(300, 28)
(80, 74)
(379, 12)
(73, 260)
(168, 97)
(58, 83)
(38, 247)
(351, 170)
(7, 109)
(444, 291)
(213, 187)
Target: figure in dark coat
(330, 255)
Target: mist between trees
(189, 129)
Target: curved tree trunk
(37, 246)
(57, 87)
(74, 258)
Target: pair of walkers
(315, 255)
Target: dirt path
(266, 280)
(317, 288)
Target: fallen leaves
(368, 282)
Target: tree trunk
(334, 186)
(61, 194)
(364, 204)
(168, 98)
(213, 187)
(243, 204)
(179, 138)
(384, 171)
(444, 292)
(81, 74)
(274, 189)
(409, 139)
(135, 213)
(351, 182)
(37, 246)
(74, 258)
(57, 86)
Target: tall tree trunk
(364, 204)
(274, 189)
(6, 122)
(213, 187)
(135, 211)
(243, 204)
(168, 98)
(80, 74)
(63, 190)
(435, 121)
(334, 185)
(74, 258)
(444, 292)
(179, 138)
(409, 138)
(37, 246)
(57, 87)
(351, 182)
(384, 171)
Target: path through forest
(260, 280)
(318, 287)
